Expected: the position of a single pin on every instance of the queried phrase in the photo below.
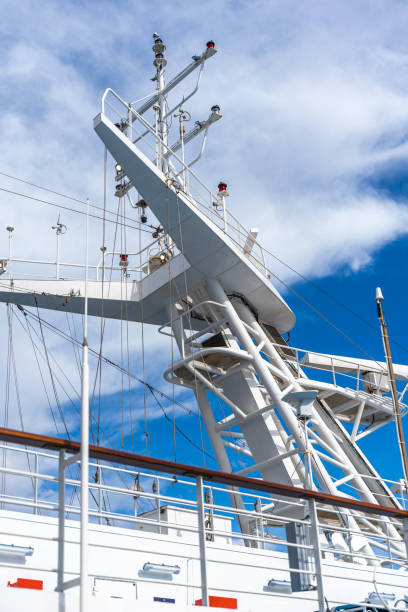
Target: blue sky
(312, 144)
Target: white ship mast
(209, 285)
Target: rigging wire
(64, 335)
(132, 433)
(145, 418)
(322, 316)
(156, 393)
(74, 347)
(37, 351)
(278, 259)
(52, 376)
(63, 195)
(171, 312)
(181, 431)
(331, 297)
(6, 400)
(121, 328)
(80, 212)
(286, 285)
(102, 327)
(19, 405)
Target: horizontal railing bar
(171, 467)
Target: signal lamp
(210, 44)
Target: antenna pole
(83, 606)
(10, 230)
(58, 250)
(397, 412)
(60, 228)
(160, 62)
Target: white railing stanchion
(405, 533)
(314, 532)
(202, 540)
(61, 520)
(36, 485)
(100, 500)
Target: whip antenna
(397, 412)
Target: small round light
(118, 168)
(222, 187)
(210, 44)
(215, 108)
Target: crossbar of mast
(175, 81)
(170, 467)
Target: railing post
(36, 485)
(61, 519)
(405, 534)
(100, 500)
(202, 542)
(314, 532)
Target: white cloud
(314, 99)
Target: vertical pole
(99, 471)
(83, 596)
(156, 109)
(162, 119)
(160, 62)
(10, 230)
(314, 525)
(405, 534)
(397, 413)
(201, 536)
(61, 519)
(314, 529)
(224, 212)
(57, 258)
(36, 485)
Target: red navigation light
(123, 259)
(117, 125)
(211, 44)
(222, 187)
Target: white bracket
(250, 241)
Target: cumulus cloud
(314, 99)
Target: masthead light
(118, 168)
(211, 44)
(222, 190)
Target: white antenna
(60, 229)
(160, 109)
(10, 230)
(83, 591)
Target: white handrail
(227, 216)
